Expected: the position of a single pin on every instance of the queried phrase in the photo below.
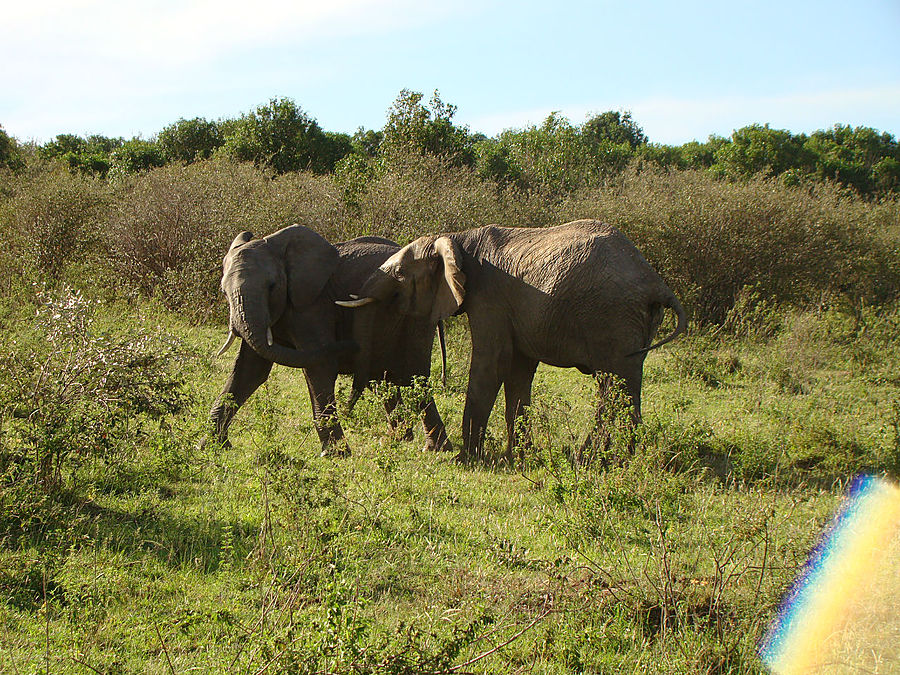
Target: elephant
(574, 295)
(281, 291)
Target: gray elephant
(281, 293)
(576, 295)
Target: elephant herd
(576, 295)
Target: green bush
(71, 392)
(282, 136)
(420, 193)
(189, 140)
(52, 222)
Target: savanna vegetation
(124, 547)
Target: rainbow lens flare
(842, 615)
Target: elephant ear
(241, 239)
(309, 261)
(451, 282)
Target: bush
(52, 221)
(70, 392)
(282, 136)
(172, 225)
(420, 193)
(709, 239)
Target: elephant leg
(249, 371)
(395, 421)
(484, 383)
(599, 440)
(517, 388)
(320, 382)
(435, 434)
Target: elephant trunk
(363, 328)
(251, 321)
(379, 288)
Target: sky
(684, 70)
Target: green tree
(281, 135)
(367, 142)
(613, 128)
(189, 140)
(702, 155)
(860, 157)
(134, 156)
(10, 156)
(91, 155)
(416, 128)
(759, 149)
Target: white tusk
(231, 337)
(358, 302)
(269, 337)
(354, 296)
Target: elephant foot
(442, 444)
(403, 433)
(466, 458)
(338, 448)
(219, 444)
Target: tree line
(556, 156)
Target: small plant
(70, 392)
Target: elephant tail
(443, 343)
(672, 303)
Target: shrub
(189, 140)
(134, 156)
(172, 225)
(420, 193)
(70, 392)
(282, 136)
(51, 220)
(709, 239)
(10, 156)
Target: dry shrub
(51, 221)
(710, 238)
(172, 225)
(423, 194)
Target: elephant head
(423, 279)
(262, 276)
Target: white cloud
(174, 31)
(74, 64)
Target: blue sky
(684, 69)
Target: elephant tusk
(269, 337)
(358, 302)
(231, 336)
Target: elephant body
(576, 295)
(292, 278)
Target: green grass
(266, 558)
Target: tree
(860, 157)
(134, 156)
(10, 157)
(189, 140)
(415, 128)
(282, 136)
(367, 142)
(91, 155)
(613, 127)
(760, 149)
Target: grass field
(669, 554)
